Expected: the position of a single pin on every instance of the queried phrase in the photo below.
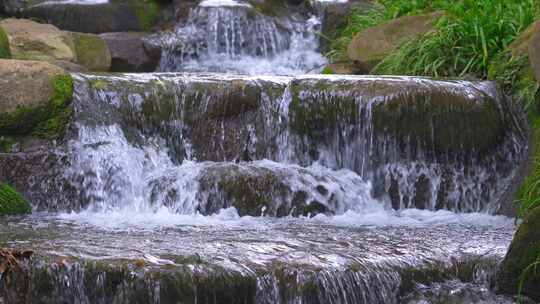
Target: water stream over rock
(206, 187)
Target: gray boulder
(92, 17)
(132, 52)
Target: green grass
(532, 269)
(468, 38)
(5, 51)
(382, 10)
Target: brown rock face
(30, 40)
(25, 84)
(373, 44)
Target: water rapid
(234, 175)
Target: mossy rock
(373, 44)
(4, 45)
(30, 40)
(405, 110)
(35, 99)
(12, 202)
(517, 267)
(113, 16)
(92, 52)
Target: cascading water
(230, 36)
(221, 188)
(159, 167)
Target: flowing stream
(232, 177)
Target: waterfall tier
(178, 140)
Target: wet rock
(70, 66)
(335, 14)
(132, 52)
(92, 52)
(101, 17)
(373, 44)
(30, 40)
(346, 68)
(12, 7)
(257, 189)
(27, 92)
(518, 265)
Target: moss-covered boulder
(33, 97)
(518, 266)
(373, 44)
(5, 52)
(92, 52)
(30, 40)
(102, 17)
(12, 202)
(259, 190)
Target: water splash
(233, 37)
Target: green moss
(12, 202)
(98, 84)
(5, 51)
(250, 193)
(59, 111)
(328, 71)
(524, 251)
(148, 12)
(6, 143)
(46, 121)
(92, 52)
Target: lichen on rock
(30, 40)
(92, 52)
(34, 100)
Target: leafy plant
(534, 268)
(466, 41)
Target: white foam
(222, 3)
(77, 2)
(229, 219)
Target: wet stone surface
(354, 258)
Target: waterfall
(234, 175)
(230, 36)
(288, 145)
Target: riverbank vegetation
(474, 39)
